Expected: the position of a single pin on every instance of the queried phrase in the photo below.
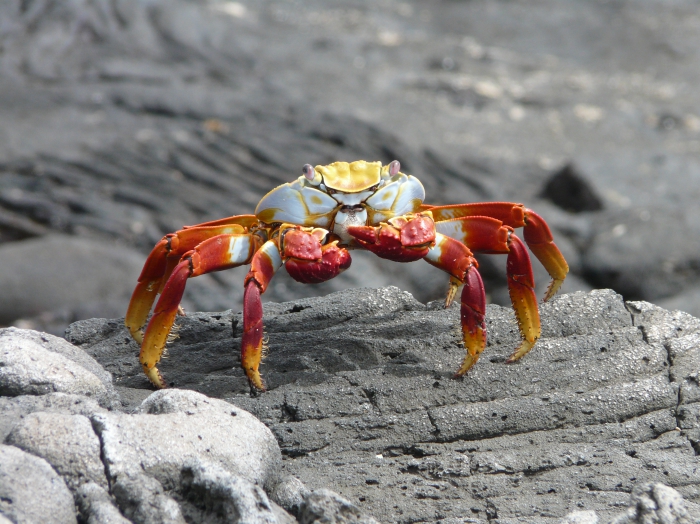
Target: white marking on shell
(297, 203)
(399, 195)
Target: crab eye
(309, 172)
(311, 175)
(394, 167)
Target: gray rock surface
(36, 363)
(14, 409)
(581, 517)
(655, 503)
(173, 427)
(361, 402)
(96, 506)
(289, 493)
(31, 491)
(232, 497)
(67, 442)
(325, 506)
(143, 500)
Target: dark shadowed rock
(570, 191)
(231, 497)
(143, 500)
(84, 277)
(361, 401)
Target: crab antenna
(394, 167)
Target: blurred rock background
(122, 120)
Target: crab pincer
(401, 239)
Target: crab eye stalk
(311, 175)
(394, 167)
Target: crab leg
(537, 234)
(489, 235)
(265, 263)
(456, 259)
(163, 259)
(214, 254)
(306, 259)
(521, 286)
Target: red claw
(409, 241)
(364, 234)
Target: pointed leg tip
(255, 380)
(552, 290)
(155, 377)
(522, 350)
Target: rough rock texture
(655, 503)
(34, 363)
(181, 457)
(97, 507)
(361, 402)
(323, 502)
(31, 491)
(234, 498)
(14, 409)
(174, 427)
(67, 442)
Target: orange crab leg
(214, 254)
(456, 259)
(521, 285)
(488, 235)
(265, 263)
(163, 259)
(537, 234)
(480, 234)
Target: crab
(311, 224)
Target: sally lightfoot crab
(310, 225)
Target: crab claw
(401, 239)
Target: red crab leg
(163, 259)
(488, 235)
(537, 234)
(454, 258)
(521, 285)
(265, 263)
(214, 254)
